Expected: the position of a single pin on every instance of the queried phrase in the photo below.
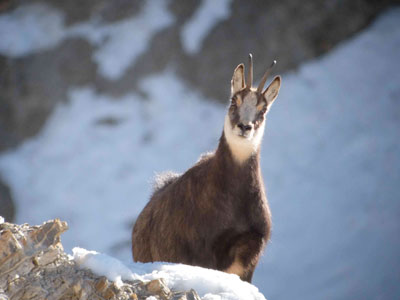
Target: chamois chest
(238, 196)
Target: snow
(332, 167)
(330, 160)
(1, 220)
(207, 15)
(38, 26)
(122, 42)
(118, 44)
(103, 265)
(98, 177)
(209, 284)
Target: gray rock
(159, 288)
(290, 31)
(31, 87)
(33, 265)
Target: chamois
(216, 214)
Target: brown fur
(213, 215)
(216, 214)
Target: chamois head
(245, 120)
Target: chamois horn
(249, 82)
(264, 78)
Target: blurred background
(98, 96)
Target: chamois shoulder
(164, 179)
(205, 157)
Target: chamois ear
(237, 82)
(271, 92)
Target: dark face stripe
(235, 108)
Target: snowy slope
(97, 177)
(332, 166)
(330, 160)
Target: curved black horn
(264, 79)
(249, 81)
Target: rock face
(33, 265)
(290, 31)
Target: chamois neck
(226, 157)
(242, 149)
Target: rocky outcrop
(33, 265)
(32, 86)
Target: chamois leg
(246, 249)
(140, 242)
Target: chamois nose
(245, 127)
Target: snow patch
(37, 27)
(209, 284)
(103, 265)
(120, 43)
(98, 177)
(1, 220)
(29, 29)
(208, 14)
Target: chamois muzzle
(245, 128)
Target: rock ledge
(33, 265)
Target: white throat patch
(242, 148)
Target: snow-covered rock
(33, 264)
(209, 284)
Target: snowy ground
(330, 159)
(209, 284)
